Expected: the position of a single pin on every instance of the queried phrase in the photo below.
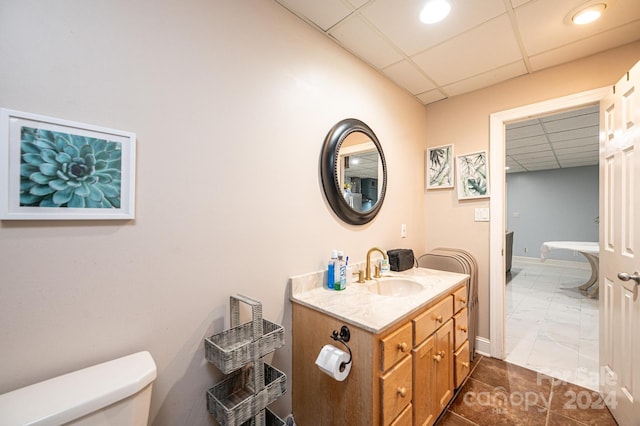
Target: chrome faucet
(368, 267)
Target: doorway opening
(551, 199)
(498, 123)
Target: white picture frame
(472, 171)
(439, 167)
(55, 169)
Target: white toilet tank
(116, 392)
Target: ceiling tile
(574, 134)
(358, 3)
(587, 46)
(537, 156)
(431, 96)
(364, 41)
(576, 143)
(577, 150)
(532, 141)
(324, 14)
(400, 21)
(593, 109)
(527, 149)
(580, 122)
(533, 129)
(517, 3)
(408, 76)
(486, 79)
(590, 155)
(542, 23)
(482, 49)
(539, 167)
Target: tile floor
(551, 326)
(500, 393)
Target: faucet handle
(377, 272)
(360, 275)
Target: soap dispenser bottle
(331, 270)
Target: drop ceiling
(562, 140)
(480, 43)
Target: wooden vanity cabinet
(402, 376)
(433, 374)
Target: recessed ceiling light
(589, 14)
(435, 11)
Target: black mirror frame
(328, 167)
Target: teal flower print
(64, 170)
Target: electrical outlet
(403, 230)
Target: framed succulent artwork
(472, 175)
(439, 167)
(59, 169)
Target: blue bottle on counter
(331, 270)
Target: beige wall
(231, 101)
(464, 122)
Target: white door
(619, 248)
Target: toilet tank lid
(73, 395)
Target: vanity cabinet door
(395, 346)
(432, 319)
(460, 323)
(397, 390)
(424, 413)
(444, 365)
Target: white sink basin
(395, 286)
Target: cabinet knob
(465, 364)
(437, 358)
(402, 347)
(462, 300)
(439, 318)
(463, 328)
(441, 353)
(402, 392)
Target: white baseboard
(483, 346)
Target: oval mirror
(353, 171)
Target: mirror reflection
(358, 169)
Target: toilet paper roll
(331, 360)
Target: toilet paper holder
(343, 336)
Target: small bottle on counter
(331, 270)
(384, 266)
(341, 280)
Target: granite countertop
(358, 306)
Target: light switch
(482, 214)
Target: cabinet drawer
(460, 299)
(462, 363)
(425, 324)
(397, 390)
(460, 322)
(405, 418)
(395, 346)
